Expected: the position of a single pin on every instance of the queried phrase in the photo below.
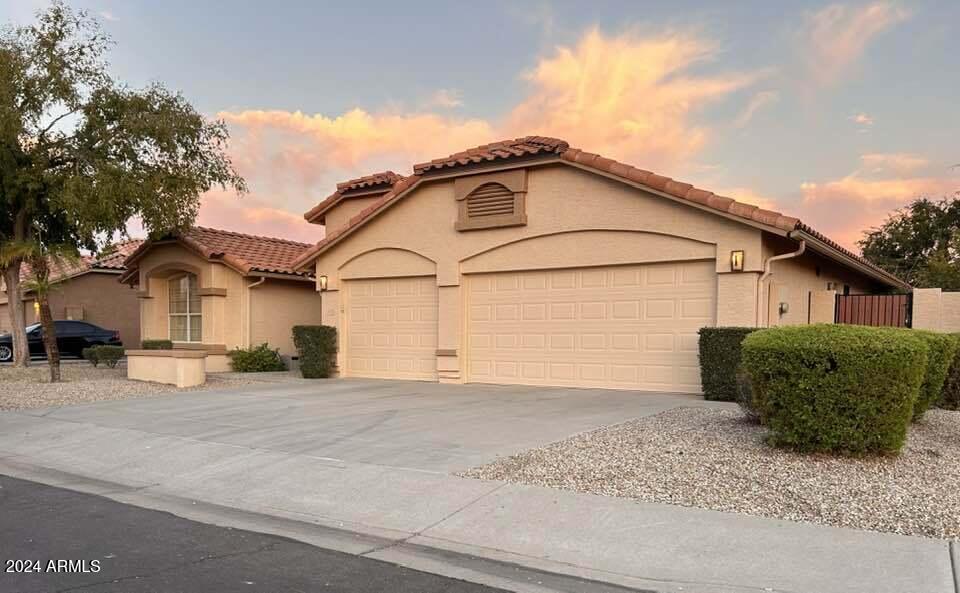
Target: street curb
(390, 547)
(955, 564)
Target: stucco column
(737, 299)
(927, 308)
(823, 305)
(332, 314)
(448, 334)
(213, 310)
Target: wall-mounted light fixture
(322, 283)
(736, 261)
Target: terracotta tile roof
(369, 184)
(245, 253)
(531, 146)
(114, 258)
(527, 146)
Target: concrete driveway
(423, 426)
(365, 467)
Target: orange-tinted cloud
(247, 214)
(836, 36)
(845, 208)
(627, 97)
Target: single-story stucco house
(87, 290)
(530, 262)
(215, 290)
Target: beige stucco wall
(936, 310)
(103, 300)
(793, 280)
(238, 312)
(340, 214)
(183, 369)
(574, 218)
(223, 319)
(276, 306)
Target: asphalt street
(99, 545)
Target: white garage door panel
(392, 328)
(627, 327)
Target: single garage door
(392, 328)
(621, 327)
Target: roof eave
(839, 256)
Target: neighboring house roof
(110, 260)
(366, 186)
(247, 254)
(541, 149)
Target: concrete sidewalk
(404, 515)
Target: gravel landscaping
(30, 388)
(716, 459)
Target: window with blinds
(186, 321)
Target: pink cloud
(835, 37)
(246, 214)
(845, 208)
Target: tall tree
(919, 243)
(81, 154)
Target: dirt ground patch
(716, 459)
(30, 388)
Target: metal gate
(882, 310)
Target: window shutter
(490, 199)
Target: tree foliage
(920, 243)
(81, 153)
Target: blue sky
(834, 112)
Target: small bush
(836, 388)
(108, 355)
(950, 395)
(317, 348)
(156, 345)
(719, 361)
(943, 349)
(259, 359)
(90, 355)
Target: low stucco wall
(936, 310)
(183, 368)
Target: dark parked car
(72, 338)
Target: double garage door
(622, 327)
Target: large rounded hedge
(943, 348)
(837, 388)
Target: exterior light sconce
(736, 261)
(322, 283)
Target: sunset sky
(835, 113)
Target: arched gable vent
(490, 199)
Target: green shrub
(943, 348)
(108, 355)
(837, 388)
(719, 361)
(317, 347)
(259, 359)
(156, 345)
(745, 399)
(90, 355)
(950, 395)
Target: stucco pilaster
(449, 320)
(823, 304)
(927, 308)
(737, 299)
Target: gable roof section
(556, 150)
(369, 185)
(247, 254)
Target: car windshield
(32, 327)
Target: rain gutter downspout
(768, 271)
(249, 314)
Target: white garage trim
(620, 327)
(391, 328)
